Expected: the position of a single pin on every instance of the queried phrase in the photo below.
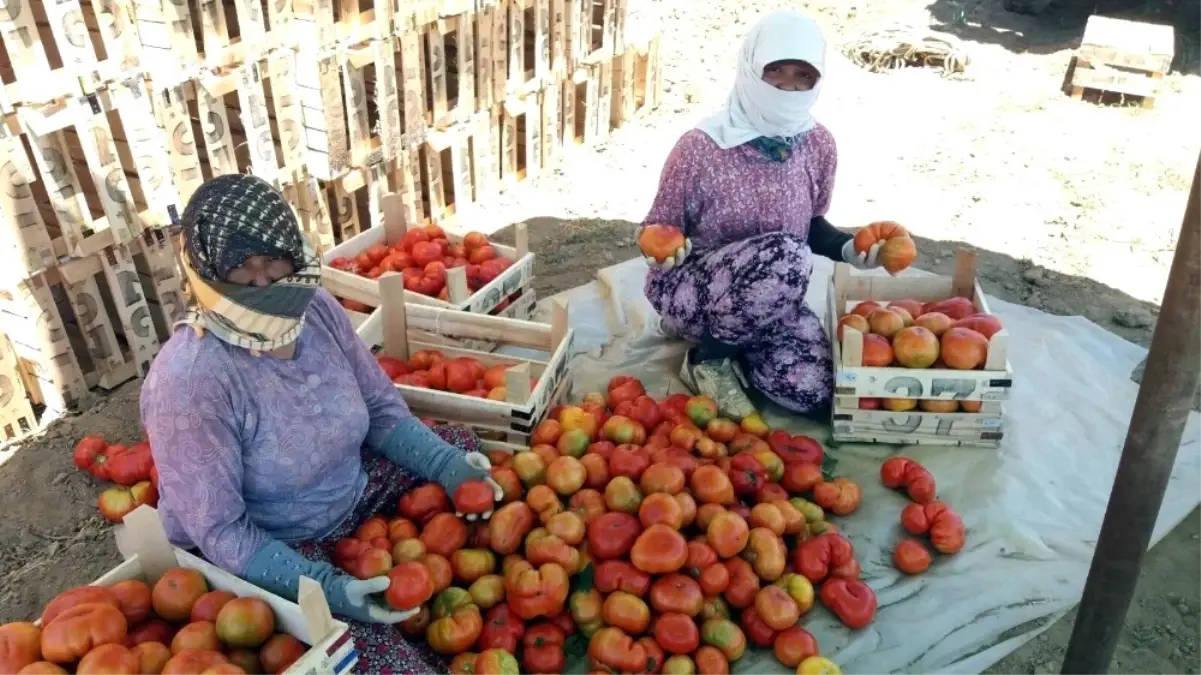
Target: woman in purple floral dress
(273, 428)
(750, 187)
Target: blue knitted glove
(417, 449)
(278, 569)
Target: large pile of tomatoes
(177, 626)
(422, 256)
(653, 536)
(131, 467)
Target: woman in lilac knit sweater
(273, 428)
(750, 187)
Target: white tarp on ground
(1033, 508)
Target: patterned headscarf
(229, 219)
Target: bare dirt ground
(1073, 207)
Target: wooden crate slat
(39, 336)
(320, 92)
(182, 155)
(82, 280)
(257, 123)
(289, 116)
(358, 126)
(130, 301)
(62, 187)
(107, 174)
(146, 140)
(28, 248)
(387, 98)
(16, 415)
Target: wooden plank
(27, 248)
(435, 196)
(485, 173)
(159, 254)
(214, 125)
(1110, 79)
(604, 99)
(552, 137)
(118, 33)
(104, 165)
(344, 212)
(568, 92)
(465, 63)
(314, 213)
(130, 301)
(354, 89)
(516, 44)
(16, 415)
(542, 40)
(146, 142)
(256, 123)
(183, 156)
(79, 279)
(387, 98)
(559, 39)
(435, 73)
(532, 136)
(460, 170)
(62, 187)
(168, 46)
(508, 144)
(325, 131)
(285, 103)
(38, 335)
(485, 61)
(1131, 44)
(500, 51)
(413, 92)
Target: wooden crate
(853, 381)
(103, 171)
(16, 416)
(368, 291)
(602, 29)
(529, 45)
(637, 81)
(56, 50)
(450, 74)
(521, 139)
(148, 555)
(1123, 57)
(398, 329)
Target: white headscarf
(756, 108)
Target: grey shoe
(721, 380)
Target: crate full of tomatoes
(495, 392)
(166, 611)
(644, 536)
(917, 359)
(467, 273)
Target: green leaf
(576, 645)
(828, 465)
(583, 580)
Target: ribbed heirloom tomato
(727, 533)
(710, 485)
(627, 612)
(424, 502)
(659, 550)
(75, 631)
(615, 651)
(793, 646)
(619, 575)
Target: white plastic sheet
(1033, 508)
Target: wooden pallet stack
(112, 114)
(1122, 57)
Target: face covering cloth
(229, 219)
(757, 109)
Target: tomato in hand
(474, 496)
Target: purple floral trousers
(751, 295)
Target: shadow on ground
(570, 251)
(1059, 25)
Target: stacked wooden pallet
(112, 114)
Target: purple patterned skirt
(382, 648)
(751, 295)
